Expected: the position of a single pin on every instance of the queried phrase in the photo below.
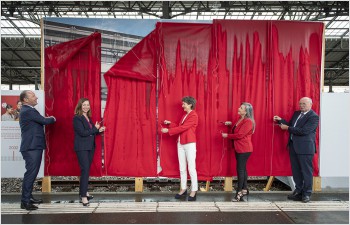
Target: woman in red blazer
(241, 135)
(186, 146)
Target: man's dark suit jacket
(84, 136)
(304, 132)
(32, 128)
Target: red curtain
(130, 141)
(130, 137)
(187, 68)
(243, 60)
(72, 71)
(221, 65)
(296, 51)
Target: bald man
(32, 145)
(302, 147)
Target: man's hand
(284, 127)
(52, 117)
(224, 135)
(165, 130)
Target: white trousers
(187, 155)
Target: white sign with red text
(12, 163)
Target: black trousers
(32, 160)
(241, 167)
(302, 170)
(85, 159)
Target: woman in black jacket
(84, 144)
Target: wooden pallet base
(46, 184)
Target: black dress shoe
(35, 201)
(191, 199)
(90, 197)
(306, 199)
(183, 195)
(28, 206)
(295, 196)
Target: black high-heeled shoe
(89, 197)
(245, 192)
(239, 197)
(194, 198)
(183, 195)
(80, 200)
(84, 204)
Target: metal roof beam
(17, 28)
(334, 47)
(344, 59)
(9, 68)
(15, 53)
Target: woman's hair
(78, 109)
(250, 113)
(190, 100)
(8, 106)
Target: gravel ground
(14, 185)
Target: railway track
(161, 182)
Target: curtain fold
(139, 63)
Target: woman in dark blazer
(241, 135)
(84, 144)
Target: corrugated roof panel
(5, 23)
(10, 31)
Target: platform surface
(155, 208)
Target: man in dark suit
(32, 145)
(302, 147)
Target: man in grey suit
(32, 145)
(302, 147)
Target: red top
(242, 136)
(187, 129)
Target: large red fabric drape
(296, 52)
(186, 69)
(272, 71)
(243, 60)
(221, 65)
(72, 71)
(130, 142)
(130, 137)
